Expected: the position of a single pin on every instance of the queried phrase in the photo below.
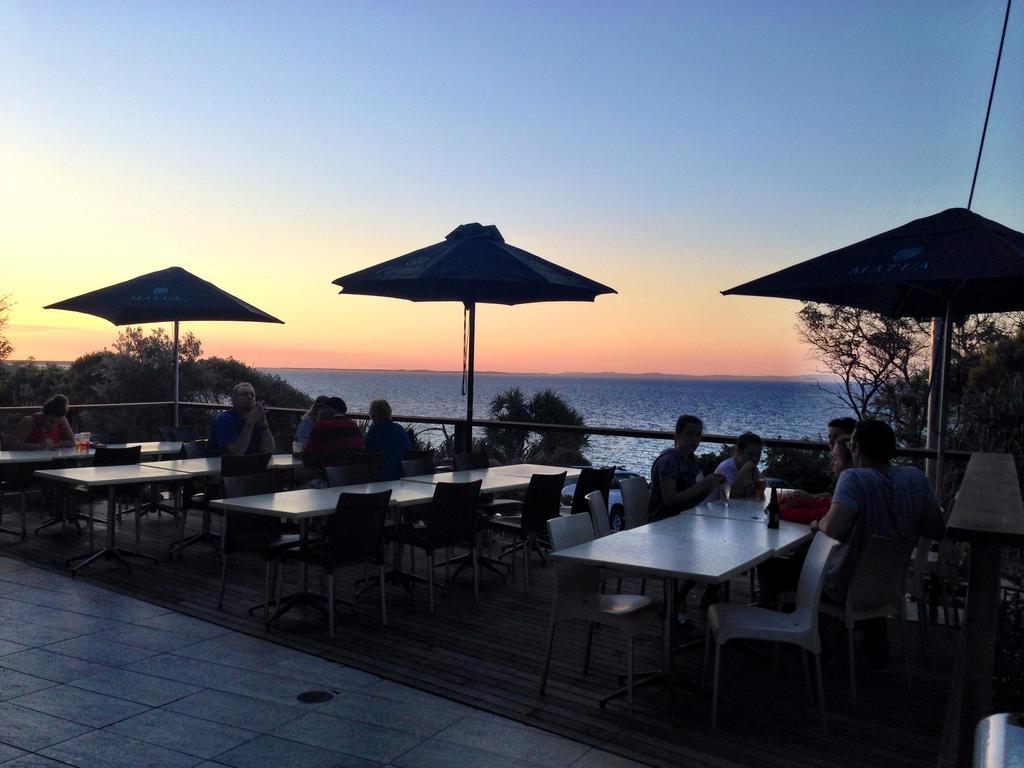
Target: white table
(514, 477)
(208, 466)
(318, 502)
(64, 454)
(110, 477)
(307, 503)
(686, 547)
(528, 470)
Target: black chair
(103, 457)
(591, 479)
(354, 534)
(370, 459)
(451, 519)
(543, 498)
(465, 461)
(170, 434)
(193, 449)
(350, 474)
(420, 466)
(230, 466)
(250, 532)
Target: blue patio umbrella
(473, 264)
(169, 295)
(947, 265)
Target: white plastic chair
(636, 497)
(877, 590)
(576, 596)
(728, 621)
(598, 514)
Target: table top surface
(698, 547)
(124, 474)
(736, 509)
(493, 479)
(46, 456)
(315, 502)
(528, 470)
(211, 465)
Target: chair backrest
(249, 464)
(570, 530)
(413, 467)
(170, 434)
(349, 474)
(636, 496)
(369, 459)
(453, 515)
(579, 580)
(598, 509)
(542, 501)
(878, 579)
(356, 529)
(471, 461)
(414, 454)
(247, 528)
(812, 575)
(591, 479)
(193, 449)
(116, 457)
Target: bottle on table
(773, 510)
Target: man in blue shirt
(244, 428)
(388, 438)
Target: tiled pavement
(94, 679)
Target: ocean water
(771, 407)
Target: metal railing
(458, 425)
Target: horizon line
(644, 375)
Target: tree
(5, 346)
(883, 363)
(545, 407)
(866, 351)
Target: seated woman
(305, 427)
(384, 436)
(47, 429)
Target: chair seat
(731, 620)
(860, 612)
(278, 546)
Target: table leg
(110, 551)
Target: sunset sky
(669, 150)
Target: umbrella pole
(941, 345)
(177, 421)
(471, 308)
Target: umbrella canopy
(473, 265)
(951, 264)
(166, 296)
(916, 270)
(170, 295)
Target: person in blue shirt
(388, 438)
(242, 429)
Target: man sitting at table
(875, 499)
(388, 438)
(49, 428)
(677, 483)
(243, 429)
(334, 435)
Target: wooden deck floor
(490, 656)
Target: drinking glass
(296, 448)
(726, 491)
